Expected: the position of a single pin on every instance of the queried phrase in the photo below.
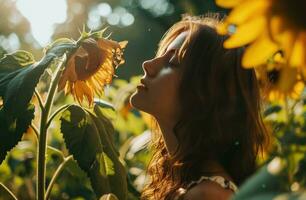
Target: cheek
(165, 94)
(162, 97)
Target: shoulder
(208, 190)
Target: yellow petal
(78, 94)
(246, 33)
(286, 40)
(123, 44)
(247, 9)
(69, 73)
(297, 90)
(88, 93)
(297, 57)
(274, 95)
(259, 52)
(276, 25)
(227, 3)
(222, 28)
(287, 79)
(278, 58)
(81, 90)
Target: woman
(207, 110)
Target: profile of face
(157, 93)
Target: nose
(147, 67)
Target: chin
(134, 101)
(138, 102)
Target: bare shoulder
(208, 190)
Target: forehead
(178, 41)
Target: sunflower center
(293, 11)
(87, 66)
(273, 76)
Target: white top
(226, 184)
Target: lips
(143, 84)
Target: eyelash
(171, 63)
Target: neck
(214, 168)
(169, 137)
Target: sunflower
(277, 82)
(268, 26)
(91, 67)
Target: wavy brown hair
(220, 117)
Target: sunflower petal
(69, 73)
(247, 9)
(259, 52)
(222, 28)
(276, 25)
(297, 57)
(297, 90)
(246, 33)
(227, 3)
(287, 79)
(123, 44)
(81, 90)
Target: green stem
(287, 115)
(55, 113)
(56, 174)
(57, 151)
(9, 192)
(35, 129)
(41, 168)
(40, 102)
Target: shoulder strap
(226, 184)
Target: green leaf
(109, 165)
(83, 142)
(268, 179)
(266, 196)
(19, 76)
(80, 136)
(272, 109)
(278, 195)
(74, 169)
(87, 138)
(17, 83)
(61, 46)
(12, 129)
(18, 90)
(14, 61)
(118, 180)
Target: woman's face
(158, 92)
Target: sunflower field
(67, 130)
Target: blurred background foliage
(142, 23)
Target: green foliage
(264, 182)
(19, 76)
(88, 139)
(12, 128)
(287, 122)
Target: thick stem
(41, 168)
(56, 174)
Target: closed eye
(171, 59)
